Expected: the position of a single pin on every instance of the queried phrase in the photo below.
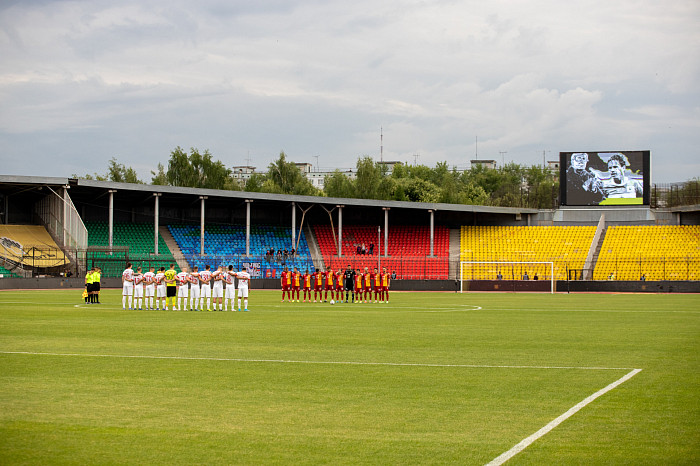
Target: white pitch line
(291, 361)
(502, 458)
(636, 311)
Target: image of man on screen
(583, 187)
(620, 184)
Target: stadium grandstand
(131, 241)
(87, 223)
(565, 246)
(26, 247)
(407, 251)
(226, 244)
(650, 252)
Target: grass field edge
(526, 442)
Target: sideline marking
(341, 307)
(291, 361)
(526, 442)
(499, 460)
(636, 311)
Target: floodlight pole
(432, 232)
(379, 248)
(247, 226)
(386, 231)
(110, 221)
(156, 215)
(201, 225)
(65, 213)
(294, 224)
(340, 230)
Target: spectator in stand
(536, 277)
(293, 253)
(371, 249)
(359, 250)
(526, 276)
(279, 256)
(393, 275)
(364, 249)
(499, 276)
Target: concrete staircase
(314, 250)
(594, 250)
(596, 254)
(455, 253)
(174, 248)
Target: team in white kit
(200, 287)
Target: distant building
(318, 177)
(490, 164)
(304, 167)
(242, 173)
(389, 164)
(553, 166)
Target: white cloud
(134, 79)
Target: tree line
(512, 185)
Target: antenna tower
(381, 144)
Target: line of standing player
(139, 289)
(357, 286)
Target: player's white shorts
(218, 291)
(182, 291)
(230, 292)
(138, 291)
(150, 290)
(128, 288)
(206, 291)
(194, 292)
(161, 290)
(243, 292)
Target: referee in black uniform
(349, 283)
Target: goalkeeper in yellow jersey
(171, 286)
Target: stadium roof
(23, 181)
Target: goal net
(506, 276)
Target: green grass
(282, 384)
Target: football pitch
(431, 378)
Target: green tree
(119, 173)
(285, 178)
(367, 178)
(338, 185)
(473, 194)
(88, 176)
(196, 170)
(418, 190)
(159, 177)
(254, 184)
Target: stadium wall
(579, 286)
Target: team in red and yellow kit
(318, 285)
(385, 280)
(328, 279)
(286, 284)
(358, 286)
(323, 282)
(306, 279)
(296, 283)
(339, 285)
(367, 284)
(376, 284)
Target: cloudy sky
(84, 81)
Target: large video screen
(604, 178)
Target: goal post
(506, 271)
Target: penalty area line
(526, 442)
(291, 361)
